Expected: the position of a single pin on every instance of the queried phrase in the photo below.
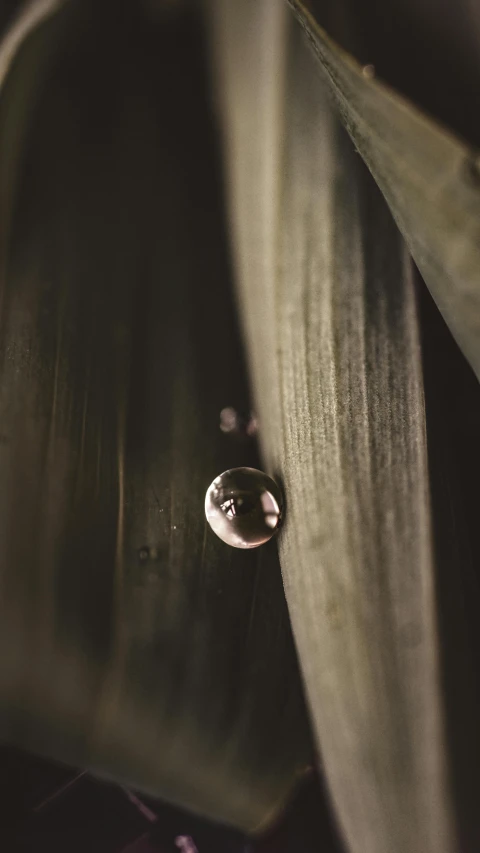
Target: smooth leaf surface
(132, 641)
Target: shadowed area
(132, 641)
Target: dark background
(45, 806)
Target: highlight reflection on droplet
(243, 507)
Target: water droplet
(229, 420)
(368, 71)
(239, 426)
(252, 426)
(185, 844)
(244, 507)
(149, 553)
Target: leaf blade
(132, 641)
(425, 174)
(330, 315)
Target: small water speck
(228, 419)
(174, 526)
(252, 426)
(238, 425)
(185, 844)
(368, 71)
(149, 553)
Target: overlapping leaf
(429, 178)
(333, 326)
